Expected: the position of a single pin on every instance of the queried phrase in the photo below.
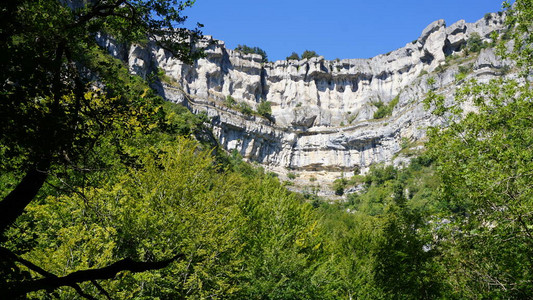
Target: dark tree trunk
(14, 203)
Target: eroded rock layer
(322, 119)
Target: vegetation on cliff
(109, 192)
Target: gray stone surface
(323, 110)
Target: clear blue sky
(332, 28)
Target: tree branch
(82, 293)
(16, 201)
(101, 289)
(51, 281)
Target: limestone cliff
(322, 121)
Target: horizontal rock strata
(322, 111)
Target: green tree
(485, 160)
(264, 109)
(521, 17)
(51, 114)
(293, 56)
(218, 233)
(486, 167)
(403, 268)
(282, 244)
(174, 210)
(474, 43)
(349, 240)
(253, 50)
(339, 185)
(230, 101)
(385, 110)
(307, 54)
(62, 95)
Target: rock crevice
(322, 111)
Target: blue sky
(332, 28)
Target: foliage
(62, 93)
(126, 182)
(245, 108)
(418, 180)
(230, 101)
(404, 143)
(460, 76)
(253, 50)
(484, 161)
(475, 43)
(264, 109)
(465, 69)
(385, 110)
(431, 81)
(293, 56)
(400, 253)
(307, 54)
(231, 231)
(520, 17)
(338, 186)
(370, 254)
(350, 238)
(64, 98)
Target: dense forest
(109, 192)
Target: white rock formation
(322, 110)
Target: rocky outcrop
(322, 120)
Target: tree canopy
(62, 96)
(60, 92)
(110, 192)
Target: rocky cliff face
(322, 121)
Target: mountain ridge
(322, 122)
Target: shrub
(264, 109)
(351, 118)
(356, 169)
(230, 101)
(356, 179)
(465, 68)
(441, 68)
(291, 176)
(293, 56)
(339, 185)
(451, 58)
(382, 111)
(253, 50)
(309, 54)
(404, 143)
(245, 108)
(505, 69)
(385, 110)
(431, 81)
(460, 76)
(474, 43)
(378, 174)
